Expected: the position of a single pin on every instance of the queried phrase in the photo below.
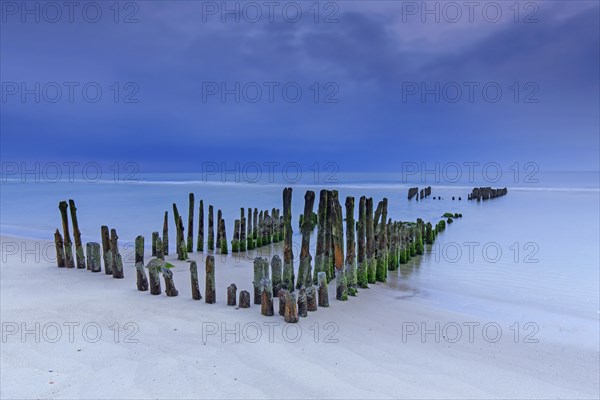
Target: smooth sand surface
(164, 349)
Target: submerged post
(77, 236)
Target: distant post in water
(190, 235)
(77, 236)
(211, 229)
(200, 246)
(210, 280)
(166, 234)
(69, 262)
(235, 241)
(219, 217)
(223, 236)
(60, 250)
(243, 232)
(249, 237)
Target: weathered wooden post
(305, 270)
(182, 253)
(219, 218)
(200, 246)
(154, 239)
(381, 272)
(261, 271)
(350, 247)
(154, 267)
(179, 232)
(266, 303)
(190, 234)
(371, 262)
(223, 237)
(244, 299)
(69, 262)
(211, 229)
(235, 242)
(255, 226)
(231, 293)
(60, 250)
(291, 309)
(106, 254)
(194, 279)
(259, 240)
(249, 237)
(338, 252)
(362, 273)
(211, 296)
(311, 298)
(93, 257)
(281, 295)
(288, 254)
(328, 255)
(302, 303)
(276, 273)
(117, 263)
(166, 234)
(77, 236)
(242, 245)
(323, 291)
(142, 281)
(169, 284)
(159, 249)
(321, 244)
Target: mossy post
(77, 236)
(223, 237)
(429, 236)
(323, 290)
(235, 241)
(362, 272)
(142, 281)
(305, 269)
(106, 249)
(259, 230)
(182, 253)
(209, 291)
(276, 273)
(200, 245)
(190, 234)
(93, 257)
(255, 225)
(194, 280)
(302, 303)
(244, 299)
(291, 309)
(160, 253)
(179, 233)
(231, 294)
(69, 262)
(351, 273)
(211, 229)
(249, 237)
(328, 251)
(60, 250)
(154, 239)
(382, 263)
(321, 244)
(341, 283)
(266, 293)
(169, 284)
(154, 267)
(311, 298)
(166, 234)
(243, 232)
(219, 238)
(259, 275)
(281, 294)
(117, 261)
(266, 237)
(288, 254)
(370, 232)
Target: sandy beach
(98, 337)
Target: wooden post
(194, 279)
(219, 217)
(142, 281)
(190, 234)
(200, 246)
(60, 250)
(372, 265)
(255, 226)
(211, 229)
(182, 253)
(169, 284)
(362, 273)
(166, 234)
(321, 244)
(69, 262)
(93, 256)
(179, 233)
(328, 251)
(244, 299)
(323, 290)
(117, 263)
(211, 296)
(77, 236)
(350, 264)
(106, 250)
(311, 298)
(276, 273)
(302, 303)
(338, 252)
(249, 237)
(159, 249)
(266, 304)
(261, 271)
(291, 310)
(235, 242)
(243, 232)
(305, 269)
(281, 294)
(154, 267)
(154, 239)
(288, 254)
(223, 236)
(231, 293)
(381, 272)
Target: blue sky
(380, 67)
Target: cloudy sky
(365, 84)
